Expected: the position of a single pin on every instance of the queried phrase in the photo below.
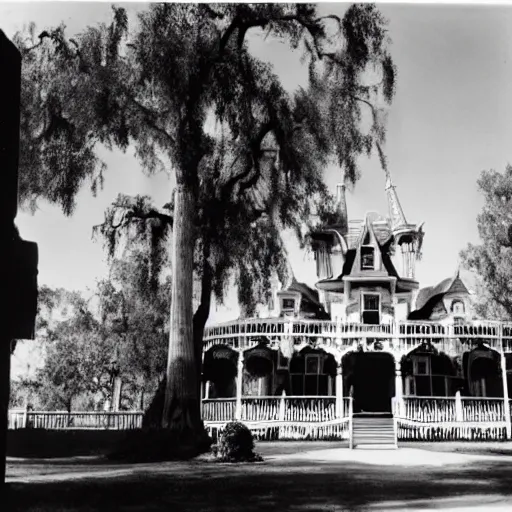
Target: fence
(62, 420)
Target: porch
(326, 418)
(359, 370)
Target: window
(289, 304)
(458, 307)
(310, 381)
(371, 309)
(371, 302)
(430, 377)
(367, 258)
(312, 364)
(422, 366)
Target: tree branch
(149, 116)
(250, 171)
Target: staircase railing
(395, 409)
(351, 422)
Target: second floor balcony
(396, 337)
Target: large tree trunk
(181, 411)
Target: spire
(396, 213)
(341, 208)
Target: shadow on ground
(283, 485)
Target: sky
(448, 122)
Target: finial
(389, 183)
(396, 213)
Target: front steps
(373, 431)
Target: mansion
(367, 356)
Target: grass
(93, 484)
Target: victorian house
(366, 351)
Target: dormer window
(367, 258)
(289, 304)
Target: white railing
(310, 408)
(402, 336)
(486, 410)
(284, 417)
(219, 409)
(445, 409)
(429, 409)
(292, 409)
(62, 420)
(450, 418)
(259, 408)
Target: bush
(236, 444)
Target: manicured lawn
(280, 484)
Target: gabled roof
(380, 225)
(377, 227)
(310, 298)
(449, 285)
(305, 290)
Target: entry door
(373, 382)
(370, 313)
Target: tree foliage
(121, 331)
(160, 89)
(246, 194)
(135, 319)
(76, 362)
(492, 259)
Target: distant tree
(184, 66)
(77, 360)
(121, 332)
(134, 314)
(54, 306)
(491, 261)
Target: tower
(408, 237)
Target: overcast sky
(448, 122)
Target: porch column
(239, 379)
(459, 411)
(339, 390)
(207, 390)
(506, 403)
(399, 390)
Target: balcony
(396, 337)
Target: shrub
(236, 444)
